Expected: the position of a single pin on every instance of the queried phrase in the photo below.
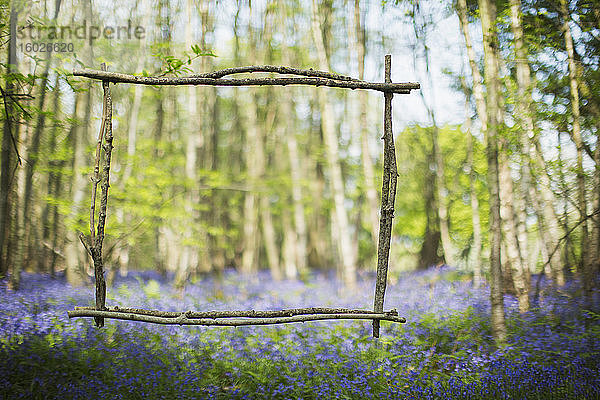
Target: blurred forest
(288, 178)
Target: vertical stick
(388, 196)
(96, 176)
(96, 241)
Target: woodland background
(499, 176)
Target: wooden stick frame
(93, 242)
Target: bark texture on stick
(238, 314)
(388, 196)
(184, 319)
(401, 88)
(93, 244)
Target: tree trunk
(250, 255)
(195, 139)
(476, 246)
(428, 255)
(514, 259)
(441, 202)
(548, 228)
(586, 267)
(358, 46)
(480, 106)
(7, 159)
(255, 170)
(45, 261)
(544, 200)
(296, 176)
(29, 227)
(132, 126)
(490, 46)
(342, 236)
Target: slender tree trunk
(441, 202)
(342, 236)
(595, 195)
(514, 260)
(255, 170)
(250, 256)
(300, 241)
(476, 247)
(428, 254)
(268, 228)
(195, 139)
(358, 47)
(544, 200)
(320, 254)
(476, 75)
(586, 267)
(166, 252)
(296, 178)
(7, 160)
(480, 106)
(77, 140)
(132, 126)
(595, 247)
(544, 207)
(44, 262)
(215, 246)
(19, 228)
(80, 136)
(490, 46)
(288, 247)
(33, 151)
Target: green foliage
(414, 149)
(176, 66)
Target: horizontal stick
(274, 69)
(240, 314)
(183, 320)
(401, 88)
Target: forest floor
(445, 349)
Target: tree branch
(183, 319)
(388, 197)
(275, 69)
(241, 314)
(566, 235)
(401, 88)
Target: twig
(106, 166)
(401, 88)
(566, 235)
(388, 197)
(86, 242)
(182, 319)
(96, 176)
(93, 244)
(12, 137)
(275, 69)
(241, 314)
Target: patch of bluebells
(444, 351)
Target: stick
(240, 314)
(93, 244)
(388, 196)
(96, 176)
(182, 319)
(401, 88)
(275, 69)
